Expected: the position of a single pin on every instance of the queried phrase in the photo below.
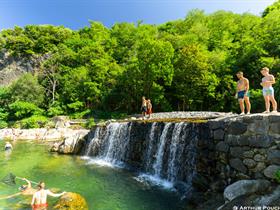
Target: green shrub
(80, 115)
(55, 111)
(34, 122)
(277, 176)
(257, 101)
(23, 109)
(3, 124)
(90, 123)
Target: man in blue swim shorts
(242, 93)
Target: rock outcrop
(245, 187)
(40, 133)
(71, 201)
(70, 145)
(12, 67)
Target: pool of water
(104, 188)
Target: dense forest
(187, 64)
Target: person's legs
(241, 105)
(267, 103)
(274, 103)
(248, 104)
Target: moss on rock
(71, 201)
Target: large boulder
(70, 145)
(244, 187)
(71, 201)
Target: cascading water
(92, 142)
(164, 152)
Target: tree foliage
(187, 64)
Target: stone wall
(245, 147)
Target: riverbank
(52, 134)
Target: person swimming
(8, 146)
(25, 189)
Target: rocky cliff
(11, 67)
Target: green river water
(104, 188)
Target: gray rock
(258, 127)
(232, 140)
(271, 170)
(273, 156)
(244, 187)
(237, 128)
(259, 158)
(260, 141)
(249, 163)
(213, 125)
(238, 165)
(274, 118)
(238, 151)
(252, 118)
(248, 154)
(260, 166)
(243, 141)
(274, 127)
(269, 199)
(219, 134)
(222, 147)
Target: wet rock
(71, 201)
(259, 158)
(271, 170)
(248, 154)
(258, 127)
(244, 187)
(273, 156)
(222, 147)
(238, 165)
(260, 141)
(260, 166)
(249, 163)
(237, 128)
(200, 182)
(274, 118)
(238, 151)
(219, 134)
(274, 127)
(269, 199)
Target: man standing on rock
(268, 92)
(243, 93)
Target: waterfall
(92, 142)
(162, 152)
(175, 144)
(157, 166)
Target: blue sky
(75, 14)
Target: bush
(34, 122)
(22, 109)
(277, 176)
(90, 123)
(55, 111)
(80, 115)
(257, 101)
(3, 124)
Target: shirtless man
(268, 92)
(39, 200)
(243, 93)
